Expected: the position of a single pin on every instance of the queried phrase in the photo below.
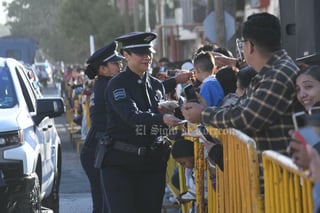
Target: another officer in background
(102, 65)
(134, 167)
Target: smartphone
(191, 94)
(239, 52)
(307, 135)
(314, 110)
(171, 73)
(299, 120)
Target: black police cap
(108, 53)
(138, 42)
(105, 54)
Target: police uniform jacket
(97, 111)
(97, 104)
(133, 116)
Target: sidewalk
(75, 196)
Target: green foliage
(81, 18)
(63, 27)
(37, 19)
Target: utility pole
(146, 6)
(135, 15)
(126, 16)
(92, 47)
(220, 22)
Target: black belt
(121, 146)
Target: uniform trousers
(87, 157)
(134, 190)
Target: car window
(28, 92)
(8, 97)
(33, 78)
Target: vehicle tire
(52, 201)
(30, 203)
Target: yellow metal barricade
(238, 186)
(171, 165)
(287, 189)
(87, 108)
(200, 166)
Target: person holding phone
(305, 151)
(308, 95)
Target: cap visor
(142, 50)
(116, 58)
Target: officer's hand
(170, 120)
(183, 76)
(167, 107)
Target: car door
(42, 129)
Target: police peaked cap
(138, 42)
(108, 53)
(105, 54)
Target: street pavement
(74, 194)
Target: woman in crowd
(308, 95)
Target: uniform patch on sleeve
(119, 94)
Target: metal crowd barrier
(287, 189)
(238, 186)
(200, 166)
(87, 109)
(172, 164)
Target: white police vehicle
(30, 149)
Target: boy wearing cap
(102, 65)
(135, 164)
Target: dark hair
(91, 71)
(205, 61)
(245, 75)
(205, 48)
(313, 71)
(263, 29)
(164, 59)
(223, 51)
(182, 148)
(227, 77)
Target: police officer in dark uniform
(134, 166)
(102, 65)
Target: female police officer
(134, 167)
(103, 64)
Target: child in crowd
(183, 152)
